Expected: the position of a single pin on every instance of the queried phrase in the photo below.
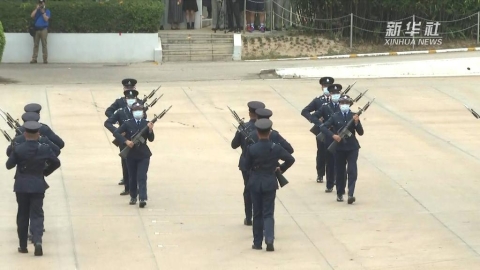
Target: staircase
(190, 45)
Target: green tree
(3, 41)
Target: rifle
(148, 106)
(9, 139)
(348, 88)
(244, 133)
(344, 131)
(12, 125)
(282, 181)
(359, 97)
(145, 98)
(316, 130)
(475, 114)
(240, 121)
(138, 139)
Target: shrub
(3, 41)
(139, 16)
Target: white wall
(83, 48)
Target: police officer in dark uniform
(44, 130)
(138, 158)
(262, 160)
(129, 86)
(34, 161)
(120, 116)
(347, 150)
(121, 102)
(239, 141)
(31, 116)
(315, 105)
(325, 112)
(274, 135)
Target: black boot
(193, 26)
(188, 25)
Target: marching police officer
(315, 105)
(138, 158)
(275, 136)
(347, 150)
(128, 85)
(239, 141)
(120, 116)
(262, 160)
(31, 116)
(325, 112)
(34, 161)
(44, 130)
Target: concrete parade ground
(417, 197)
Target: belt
(263, 170)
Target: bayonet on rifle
(5, 134)
(145, 98)
(148, 106)
(10, 119)
(348, 88)
(360, 96)
(240, 121)
(475, 114)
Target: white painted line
(426, 68)
(471, 49)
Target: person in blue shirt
(41, 16)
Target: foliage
(371, 16)
(87, 16)
(3, 41)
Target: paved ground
(417, 197)
(53, 74)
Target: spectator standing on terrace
(255, 7)
(175, 13)
(190, 7)
(208, 5)
(233, 11)
(41, 16)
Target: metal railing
(413, 30)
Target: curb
(471, 49)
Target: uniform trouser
(30, 208)
(233, 10)
(126, 178)
(247, 198)
(263, 219)
(137, 172)
(40, 35)
(216, 14)
(341, 160)
(330, 164)
(282, 12)
(321, 156)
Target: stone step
(191, 58)
(195, 43)
(196, 53)
(211, 46)
(211, 35)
